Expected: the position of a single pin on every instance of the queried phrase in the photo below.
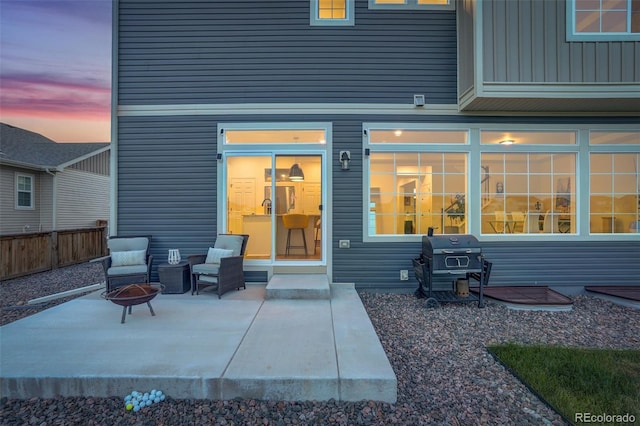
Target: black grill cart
(450, 256)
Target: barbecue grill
(455, 256)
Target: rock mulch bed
(445, 375)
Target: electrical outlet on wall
(404, 275)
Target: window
(614, 199)
(275, 136)
(603, 20)
(412, 4)
(528, 193)
(501, 181)
(415, 182)
(24, 192)
(332, 12)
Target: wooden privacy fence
(24, 254)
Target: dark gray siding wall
(525, 41)
(167, 189)
(242, 51)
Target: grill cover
(452, 254)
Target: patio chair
(128, 262)
(222, 266)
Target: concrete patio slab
(199, 347)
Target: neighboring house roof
(27, 149)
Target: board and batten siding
(265, 51)
(82, 199)
(466, 36)
(167, 188)
(525, 42)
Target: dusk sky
(55, 68)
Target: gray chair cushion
(230, 242)
(127, 270)
(127, 244)
(206, 268)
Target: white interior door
(242, 200)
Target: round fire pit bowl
(133, 294)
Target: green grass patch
(573, 380)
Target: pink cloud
(46, 95)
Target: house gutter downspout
(54, 200)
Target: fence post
(54, 250)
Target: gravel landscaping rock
(445, 374)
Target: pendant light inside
(296, 173)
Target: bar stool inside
(295, 221)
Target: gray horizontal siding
(525, 42)
(167, 189)
(98, 164)
(265, 51)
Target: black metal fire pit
(133, 294)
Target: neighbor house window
(532, 190)
(24, 192)
(603, 20)
(332, 12)
(412, 4)
(614, 184)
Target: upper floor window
(412, 4)
(603, 20)
(332, 12)
(24, 192)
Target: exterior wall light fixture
(345, 159)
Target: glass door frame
(321, 150)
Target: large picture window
(501, 181)
(614, 183)
(418, 179)
(528, 193)
(411, 192)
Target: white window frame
(464, 148)
(315, 20)
(412, 5)
(582, 149)
(31, 192)
(572, 35)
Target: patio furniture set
(128, 267)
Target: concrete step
(298, 286)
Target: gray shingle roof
(22, 147)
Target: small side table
(175, 278)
